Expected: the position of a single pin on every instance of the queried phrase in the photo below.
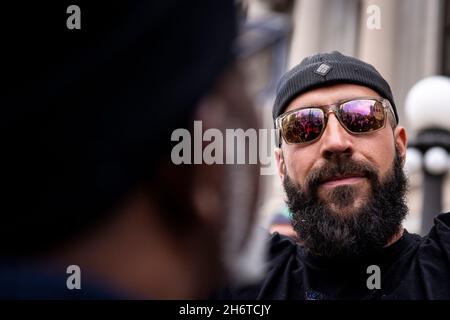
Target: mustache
(339, 167)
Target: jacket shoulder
(280, 250)
(281, 246)
(441, 230)
(437, 242)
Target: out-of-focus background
(406, 40)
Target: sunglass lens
(362, 115)
(304, 125)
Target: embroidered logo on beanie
(323, 69)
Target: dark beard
(326, 233)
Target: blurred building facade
(406, 40)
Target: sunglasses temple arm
(277, 133)
(390, 110)
(278, 137)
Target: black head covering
(325, 69)
(85, 113)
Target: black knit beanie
(325, 69)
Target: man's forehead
(329, 95)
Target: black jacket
(414, 267)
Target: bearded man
(340, 157)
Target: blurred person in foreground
(340, 159)
(87, 176)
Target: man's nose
(335, 140)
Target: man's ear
(280, 162)
(401, 141)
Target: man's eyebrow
(316, 105)
(334, 103)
